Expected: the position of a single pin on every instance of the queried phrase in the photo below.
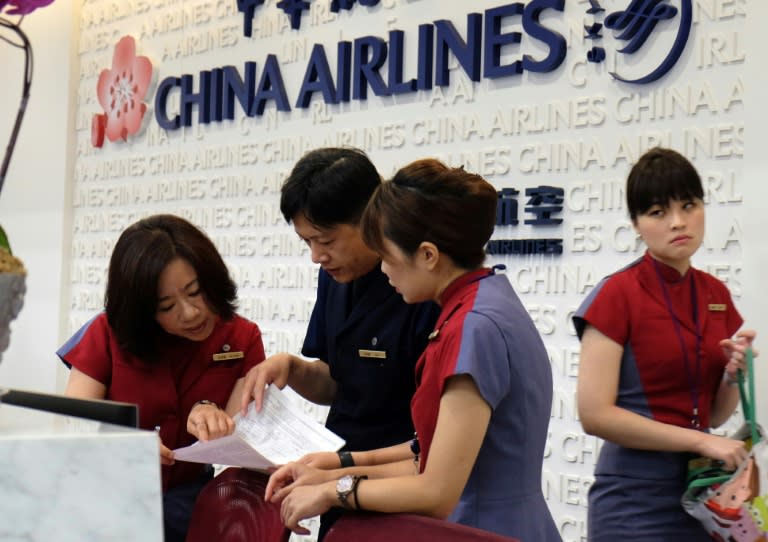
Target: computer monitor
(114, 412)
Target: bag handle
(706, 482)
(748, 401)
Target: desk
(67, 479)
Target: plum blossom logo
(121, 92)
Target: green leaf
(4, 243)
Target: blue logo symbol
(635, 25)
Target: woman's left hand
(166, 454)
(207, 421)
(321, 460)
(735, 349)
(290, 476)
(305, 502)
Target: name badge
(225, 356)
(717, 307)
(378, 354)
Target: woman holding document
(280, 432)
(168, 340)
(484, 385)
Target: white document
(280, 433)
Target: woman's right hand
(730, 451)
(207, 421)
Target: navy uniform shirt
(371, 340)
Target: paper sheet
(280, 433)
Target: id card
(376, 354)
(226, 356)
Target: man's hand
(273, 370)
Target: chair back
(372, 527)
(231, 508)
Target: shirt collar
(458, 284)
(669, 273)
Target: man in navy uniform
(365, 340)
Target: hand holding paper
(280, 433)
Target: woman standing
(169, 340)
(657, 365)
(484, 385)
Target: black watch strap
(346, 460)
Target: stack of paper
(280, 433)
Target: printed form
(280, 433)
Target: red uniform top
(485, 332)
(630, 307)
(167, 390)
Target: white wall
(755, 302)
(276, 287)
(34, 204)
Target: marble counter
(67, 479)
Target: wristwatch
(344, 487)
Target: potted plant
(12, 272)
(12, 288)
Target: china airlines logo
(635, 25)
(121, 91)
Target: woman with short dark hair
(169, 340)
(484, 384)
(657, 363)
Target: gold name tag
(717, 307)
(224, 356)
(379, 354)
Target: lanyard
(693, 374)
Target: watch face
(344, 484)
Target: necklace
(692, 373)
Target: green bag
(732, 506)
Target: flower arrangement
(12, 272)
(22, 7)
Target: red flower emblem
(121, 90)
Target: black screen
(126, 414)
